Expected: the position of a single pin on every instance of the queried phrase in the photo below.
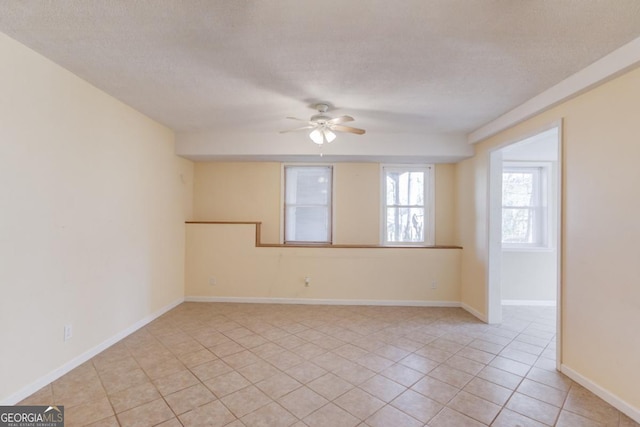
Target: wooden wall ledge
(259, 243)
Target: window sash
(307, 211)
(407, 218)
(534, 232)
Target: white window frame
(283, 203)
(542, 194)
(429, 200)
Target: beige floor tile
(175, 382)
(197, 358)
(243, 358)
(173, 422)
(627, 422)
(258, 371)
(359, 403)
(476, 355)
(211, 369)
(350, 351)
(374, 362)
(355, 374)
(510, 366)
(469, 366)
(417, 405)
(330, 361)
(111, 421)
(278, 385)
(189, 398)
(331, 415)
(245, 401)
(450, 418)
(569, 419)
(488, 391)
(382, 388)
(390, 416)
(500, 377)
(211, 414)
(267, 349)
(271, 415)
(330, 386)
(306, 372)
(474, 407)
(402, 375)
(134, 396)
(308, 350)
(451, 376)
(302, 402)
(508, 418)
(419, 363)
(225, 384)
(284, 360)
(150, 413)
(542, 392)
(390, 352)
(551, 378)
(433, 353)
(582, 402)
(533, 408)
(87, 413)
(435, 389)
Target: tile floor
(206, 364)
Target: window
(407, 217)
(524, 206)
(307, 204)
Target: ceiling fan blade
(341, 119)
(349, 129)
(297, 129)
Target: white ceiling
(418, 75)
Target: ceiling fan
(324, 126)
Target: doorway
(524, 265)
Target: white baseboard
(313, 301)
(474, 312)
(613, 400)
(79, 360)
(533, 302)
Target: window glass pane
(517, 188)
(307, 186)
(405, 188)
(307, 204)
(405, 224)
(307, 224)
(517, 225)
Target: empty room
(291, 213)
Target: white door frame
(494, 238)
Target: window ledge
(259, 243)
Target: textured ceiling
(410, 67)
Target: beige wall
(248, 191)
(228, 254)
(601, 296)
(92, 217)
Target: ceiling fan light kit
(323, 127)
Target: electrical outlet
(307, 281)
(212, 281)
(434, 284)
(68, 332)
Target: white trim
(532, 302)
(474, 312)
(604, 394)
(80, 359)
(314, 301)
(614, 64)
